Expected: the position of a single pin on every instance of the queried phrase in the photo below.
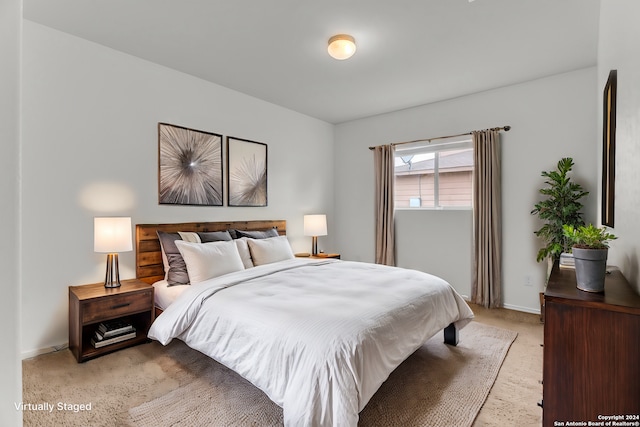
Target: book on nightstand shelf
(99, 340)
(115, 327)
(112, 332)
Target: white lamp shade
(315, 225)
(341, 46)
(112, 234)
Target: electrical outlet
(527, 280)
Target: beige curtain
(487, 274)
(384, 161)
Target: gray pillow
(177, 269)
(214, 236)
(272, 232)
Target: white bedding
(318, 337)
(164, 295)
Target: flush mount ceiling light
(341, 46)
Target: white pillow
(207, 260)
(243, 250)
(273, 249)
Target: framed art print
(190, 166)
(609, 149)
(247, 170)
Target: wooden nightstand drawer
(116, 306)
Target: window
(434, 176)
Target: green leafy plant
(561, 206)
(588, 237)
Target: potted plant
(590, 250)
(561, 206)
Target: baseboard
(523, 309)
(511, 307)
(33, 353)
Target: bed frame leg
(451, 335)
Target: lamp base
(112, 277)
(314, 245)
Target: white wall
(10, 41)
(619, 44)
(90, 148)
(551, 118)
(426, 238)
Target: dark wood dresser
(591, 351)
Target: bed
(318, 337)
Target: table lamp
(112, 235)
(315, 225)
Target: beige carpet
(513, 400)
(437, 386)
(118, 382)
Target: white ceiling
(410, 52)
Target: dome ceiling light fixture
(341, 46)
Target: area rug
(438, 385)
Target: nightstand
(91, 304)
(319, 256)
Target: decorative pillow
(214, 236)
(208, 260)
(272, 232)
(174, 266)
(266, 251)
(189, 236)
(243, 250)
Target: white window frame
(425, 147)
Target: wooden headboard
(149, 266)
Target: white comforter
(319, 338)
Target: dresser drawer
(116, 306)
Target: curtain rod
(505, 128)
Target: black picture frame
(246, 172)
(189, 166)
(609, 149)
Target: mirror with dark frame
(609, 149)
